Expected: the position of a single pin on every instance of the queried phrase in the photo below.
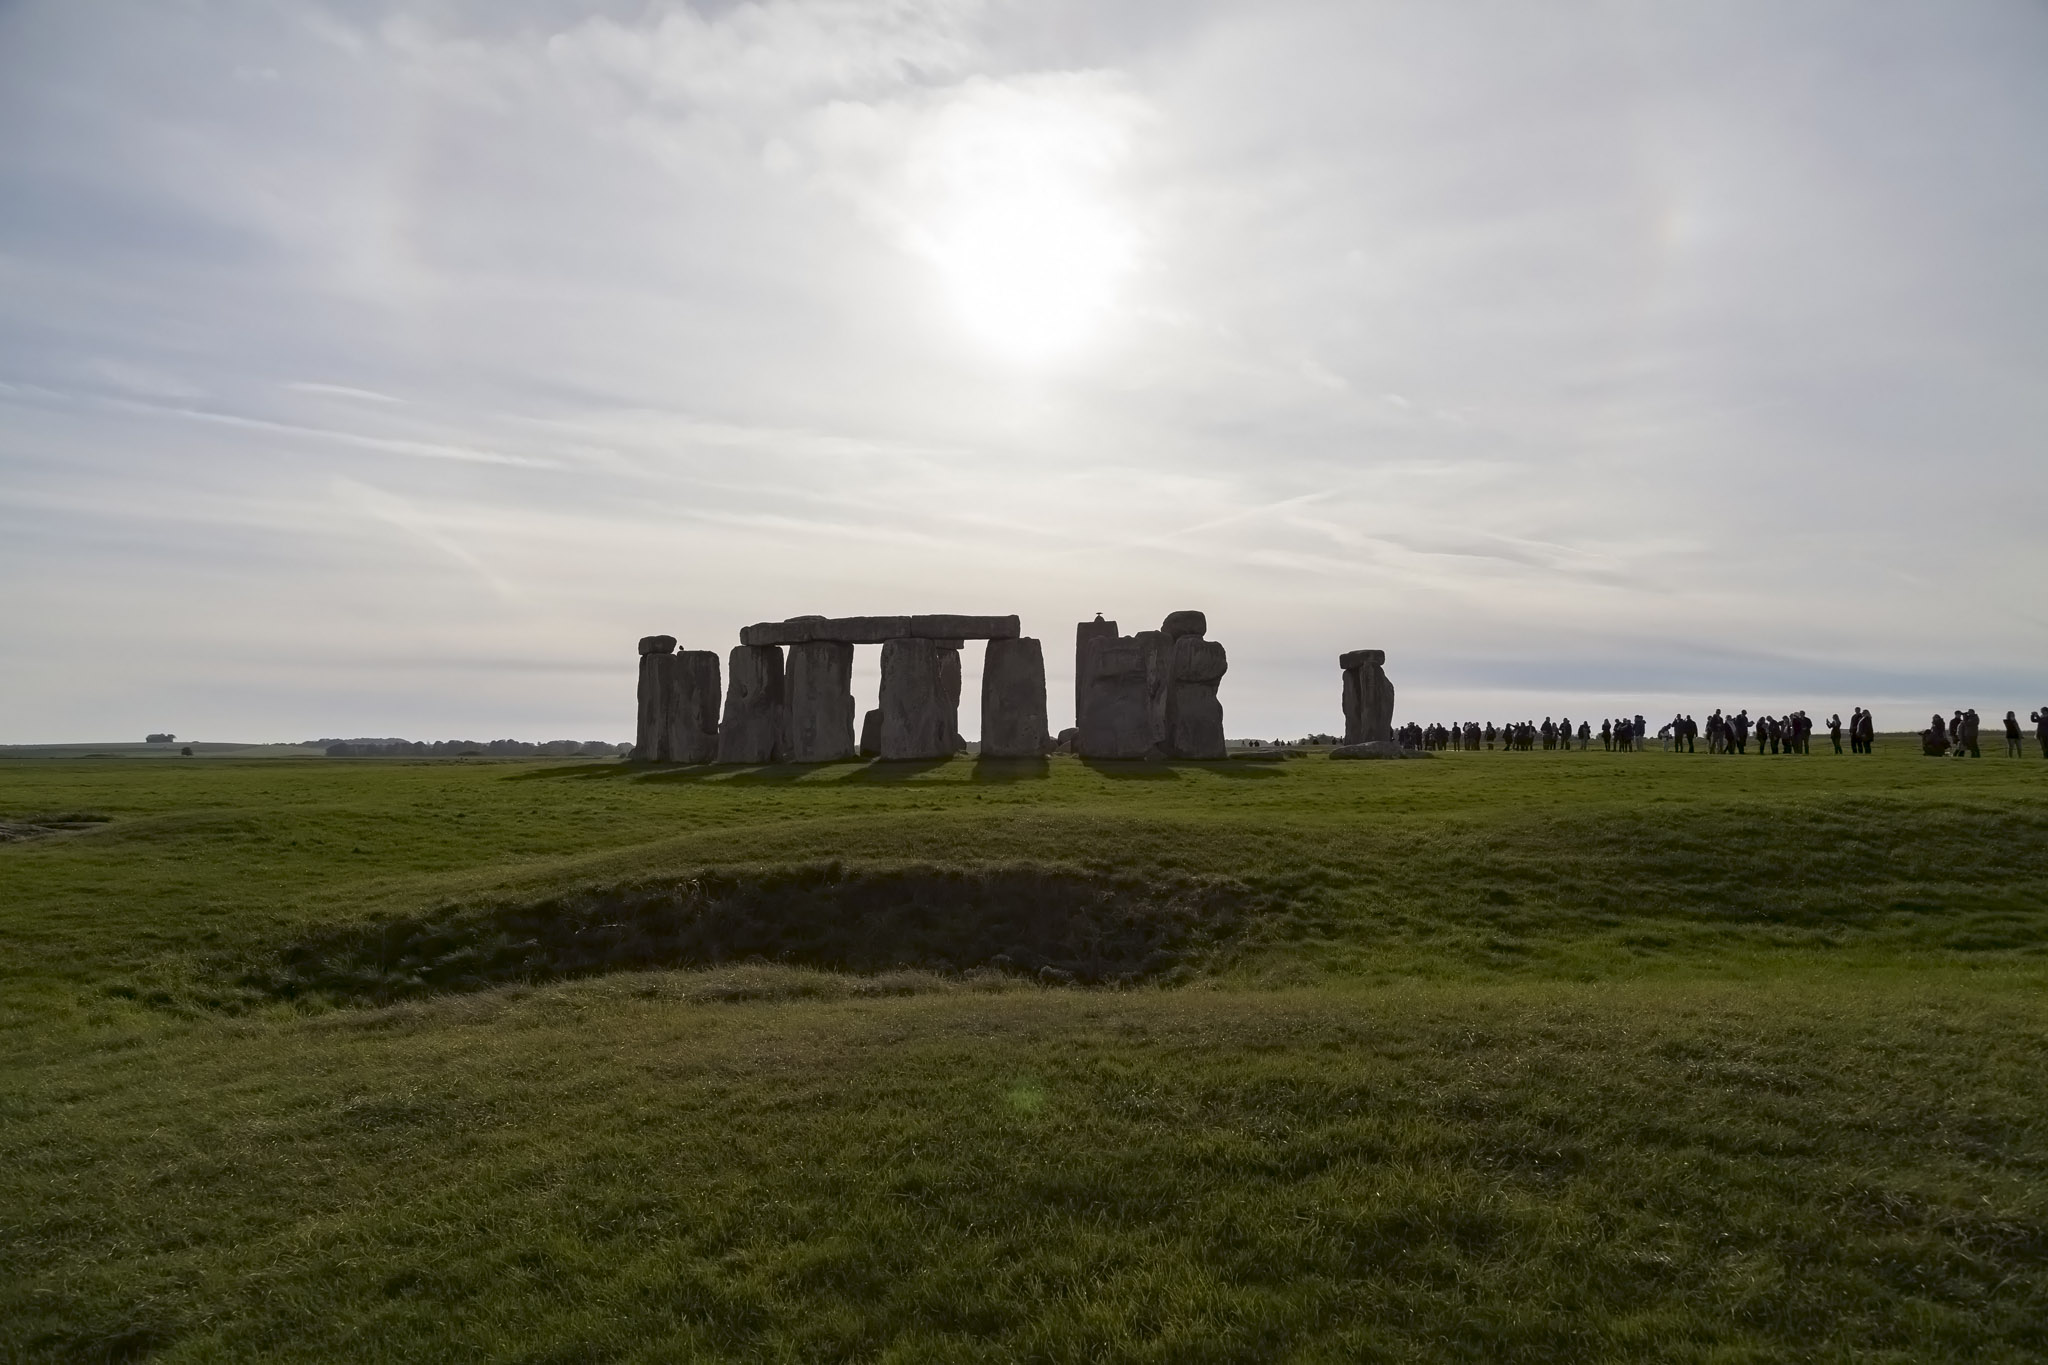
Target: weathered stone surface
(1368, 697)
(1194, 715)
(1157, 647)
(1069, 741)
(678, 708)
(1179, 623)
(916, 720)
(1378, 748)
(657, 644)
(871, 734)
(1116, 711)
(693, 735)
(875, 630)
(755, 707)
(949, 694)
(1013, 699)
(1375, 703)
(650, 730)
(820, 707)
(1085, 633)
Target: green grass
(1528, 1056)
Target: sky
(389, 369)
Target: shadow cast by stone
(1131, 769)
(895, 769)
(1011, 769)
(587, 772)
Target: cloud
(1622, 341)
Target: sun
(1022, 220)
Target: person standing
(2040, 719)
(1866, 730)
(1835, 729)
(1969, 736)
(2013, 748)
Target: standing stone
(693, 736)
(1157, 647)
(871, 734)
(1368, 697)
(1085, 633)
(1116, 711)
(1179, 623)
(1194, 715)
(949, 692)
(755, 710)
(650, 731)
(1013, 699)
(820, 692)
(916, 721)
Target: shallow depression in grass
(1055, 924)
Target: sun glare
(1022, 222)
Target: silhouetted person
(1741, 723)
(1968, 738)
(2013, 748)
(2040, 719)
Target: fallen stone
(916, 723)
(657, 644)
(1013, 699)
(755, 707)
(1379, 748)
(819, 688)
(1179, 623)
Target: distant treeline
(456, 748)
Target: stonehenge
(789, 697)
(1368, 697)
(788, 694)
(678, 703)
(1149, 695)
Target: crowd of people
(1957, 737)
(1791, 733)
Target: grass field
(1496, 1056)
